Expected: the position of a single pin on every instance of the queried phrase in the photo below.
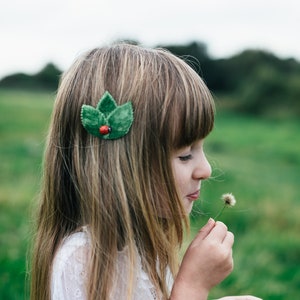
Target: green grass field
(257, 160)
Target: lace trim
(69, 274)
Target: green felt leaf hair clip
(107, 121)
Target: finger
(229, 239)
(218, 233)
(206, 229)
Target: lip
(194, 196)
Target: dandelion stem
(220, 212)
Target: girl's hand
(207, 261)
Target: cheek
(179, 176)
(181, 183)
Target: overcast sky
(35, 32)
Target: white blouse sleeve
(69, 276)
(143, 288)
(68, 280)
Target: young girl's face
(190, 167)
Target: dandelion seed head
(229, 199)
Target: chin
(188, 208)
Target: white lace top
(68, 279)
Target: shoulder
(69, 272)
(74, 247)
(143, 287)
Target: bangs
(191, 112)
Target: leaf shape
(107, 113)
(92, 119)
(120, 121)
(106, 104)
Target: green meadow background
(256, 157)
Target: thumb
(206, 229)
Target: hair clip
(108, 120)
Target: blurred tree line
(46, 79)
(253, 81)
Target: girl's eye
(185, 157)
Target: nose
(202, 169)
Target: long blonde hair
(122, 189)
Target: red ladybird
(105, 129)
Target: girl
(120, 178)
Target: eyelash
(185, 157)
